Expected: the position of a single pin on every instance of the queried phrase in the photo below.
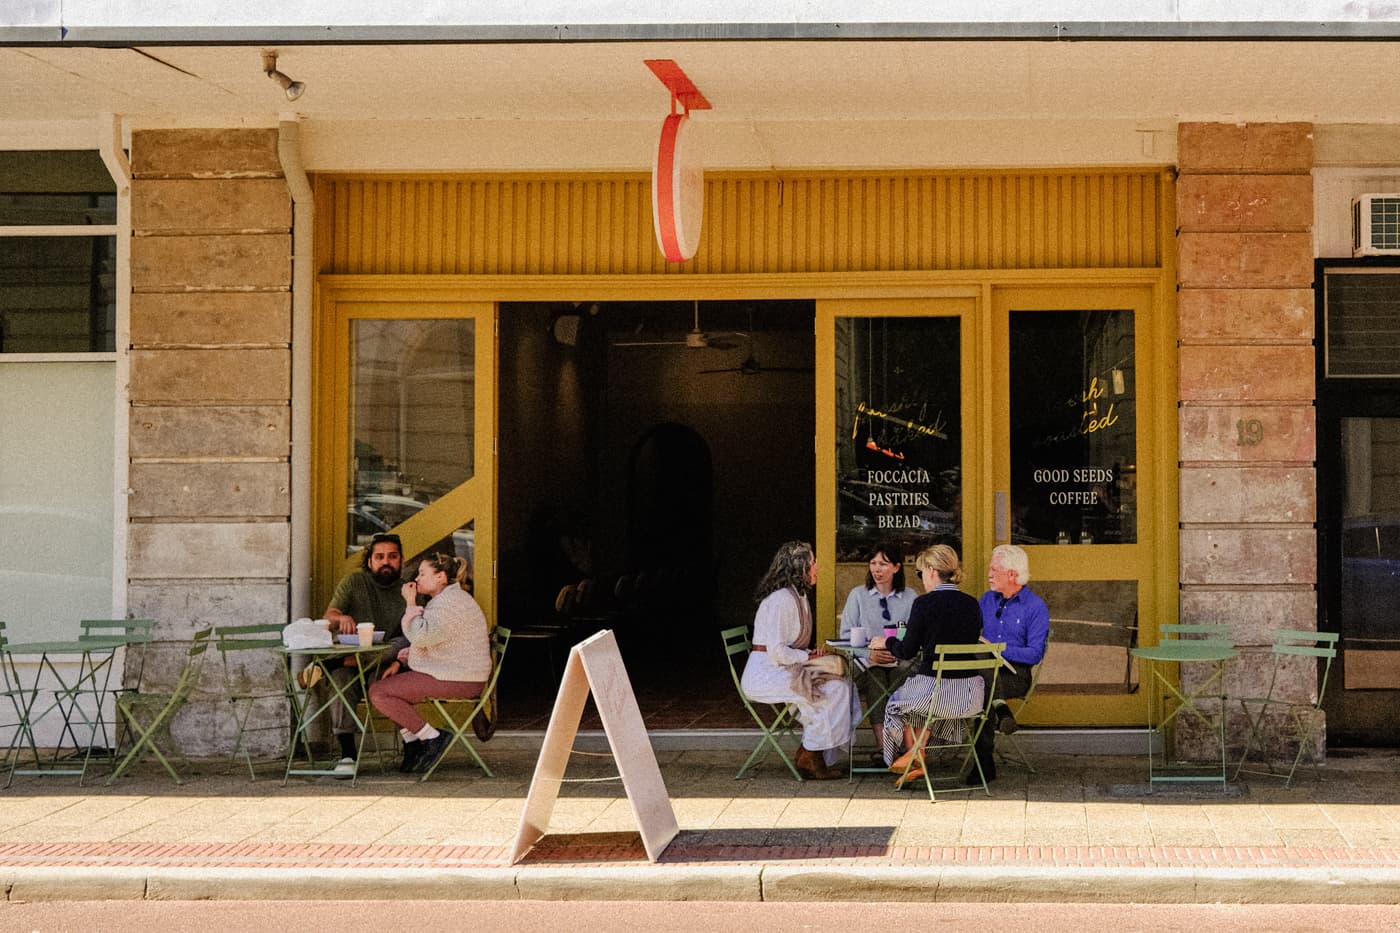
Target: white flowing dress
(827, 723)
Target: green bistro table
(89, 684)
(1161, 690)
(306, 710)
(855, 670)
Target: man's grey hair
(1014, 559)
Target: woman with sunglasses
(882, 602)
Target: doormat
(1176, 791)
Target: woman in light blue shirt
(882, 601)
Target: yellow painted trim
(962, 306)
(474, 500)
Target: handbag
(830, 665)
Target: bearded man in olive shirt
(371, 594)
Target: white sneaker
(345, 768)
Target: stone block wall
(1247, 385)
(209, 541)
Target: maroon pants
(397, 696)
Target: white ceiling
(860, 92)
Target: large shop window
(57, 360)
(413, 420)
(899, 434)
(58, 253)
(1074, 428)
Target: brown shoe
(812, 766)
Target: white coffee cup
(858, 636)
(366, 632)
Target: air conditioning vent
(1375, 225)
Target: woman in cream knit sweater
(448, 657)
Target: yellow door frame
(406, 296)
(473, 500)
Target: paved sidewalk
(1082, 828)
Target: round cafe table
(1161, 691)
(307, 709)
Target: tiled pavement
(1080, 828)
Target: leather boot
(812, 766)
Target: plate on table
(355, 639)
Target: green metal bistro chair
(130, 633)
(459, 727)
(149, 715)
(1305, 714)
(1018, 754)
(980, 658)
(782, 720)
(244, 693)
(10, 691)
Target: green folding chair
(128, 632)
(244, 693)
(980, 658)
(1305, 714)
(1018, 754)
(460, 727)
(10, 691)
(782, 720)
(149, 715)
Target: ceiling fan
(750, 366)
(696, 339)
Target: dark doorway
(652, 456)
(1358, 472)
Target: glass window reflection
(1073, 427)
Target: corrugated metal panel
(601, 225)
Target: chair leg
(459, 733)
(1254, 724)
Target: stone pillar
(209, 537)
(1247, 386)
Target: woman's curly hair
(790, 568)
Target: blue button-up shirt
(1024, 625)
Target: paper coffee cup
(366, 632)
(857, 636)
(891, 631)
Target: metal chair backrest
(129, 632)
(736, 641)
(246, 637)
(1321, 645)
(194, 666)
(1209, 632)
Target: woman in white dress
(777, 670)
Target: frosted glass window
(56, 493)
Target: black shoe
(1006, 723)
(432, 751)
(412, 751)
(989, 771)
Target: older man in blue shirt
(1011, 613)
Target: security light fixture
(294, 89)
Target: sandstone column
(1247, 385)
(210, 388)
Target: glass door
(407, 440)
(894, 411)
(1072, 444)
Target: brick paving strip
(574, 851)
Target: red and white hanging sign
(678, 171)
